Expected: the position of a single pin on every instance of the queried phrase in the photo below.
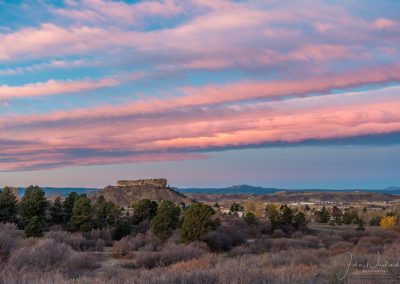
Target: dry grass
(62, 257)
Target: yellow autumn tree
(250, 206)
(388, 222)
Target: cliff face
(127, 191)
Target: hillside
(127, 191)
(301, 196)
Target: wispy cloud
(52, 87)
(181, 78)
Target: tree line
(77, 213)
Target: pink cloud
(117, 11)
(325, 117)
(52, 87)
(383, 23)
(231, 93)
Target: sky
(290, 94)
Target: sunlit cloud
(176, 80)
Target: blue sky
(289, 94)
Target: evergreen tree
(34, 227)
(68, 205)
(350, 216)
(360, 224)
(56, 212)
(375, 221)
(337, 215)
(286, 215)
(123, 229)
(106, 213)
(196, 222)
(82, 215)
(299, 220)
(8, 205)
(145, 209)
(273, 215)
(166, 220)
(322, 215)
(250, 218)
(33, 203)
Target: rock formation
(127, 191)
(160, 182)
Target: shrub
(45, 255)
(240, 250)
(261, 245)
(329, 239)
(250, 218)
(8, 240)
(126, 246)
(123, 248)
(100, 244)
(218, 241)
(171, 254)
(385, 235)
(79, 262)
(369, 245)
(74, 240)
(100, 234)
(311, 241)
(285, 243)
(297, 235)
(278, 233)
(341, 247)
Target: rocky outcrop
(127, 191)
(159, 182)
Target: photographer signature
(347, 259)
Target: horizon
(277, 93)
(394, 187)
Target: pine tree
(323, 215)
(196, 222)
(145, 209)
(68, 205)
(299, 220)
(8, 205)
(286, 216)
(166, 220)
(56, 212)
(82, 215)
(106, 213)
(33, 203)
(34, 227)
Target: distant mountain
(61, 191)
(393, 188)
(235, 189)
(248, 189)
